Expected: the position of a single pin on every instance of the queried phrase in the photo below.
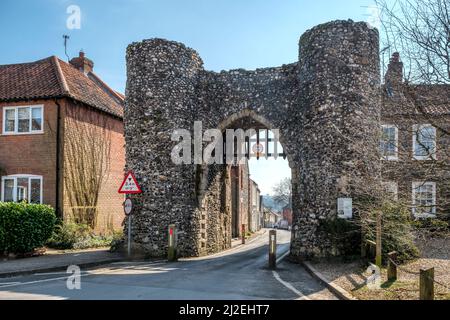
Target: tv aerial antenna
(66, 38)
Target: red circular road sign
(127, 207)
(258, 148)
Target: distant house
(287, 214)
(62, 140)
(271, 218)
(255, 213)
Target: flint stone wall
(330, 94)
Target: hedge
(25, 227)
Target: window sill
(419, 216)
(424, 159)
(22, 133)
(389, 159)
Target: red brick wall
(35, 154)
(287, 215)
(32, 153)
(110, 208)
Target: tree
(283, 192)
(420, 30)
(417, 88)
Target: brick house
(62, 131)
(240, 198)
(255, 213)
(415, 143)
(287, 214)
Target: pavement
(238, 273)
(57, 260)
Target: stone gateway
(325, 105)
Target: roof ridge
(60, 75)
(25, 63)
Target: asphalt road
(239, 273)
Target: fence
(427, 279)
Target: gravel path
(352, 276)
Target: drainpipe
(58, 150)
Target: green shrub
(432, 228)
(77, 236)
(25, 227)
(345, 236)
(117, 241)
(66, 235)
(396, 233)
(432, 225)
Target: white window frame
(391, 186)
(416, 129)
(18, 176)
(415, 185)
(391, 158)
(16, 120)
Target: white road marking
(287, 284)
(8, 283)
(85, 274)
(283, 256)
(290, 286)
(33, 282)
(53, 273)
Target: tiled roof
(432, 100)
(54, 78)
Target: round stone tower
(339, 81)
(162, 76)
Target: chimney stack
(82, 63)
(394, 74)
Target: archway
(224, 195)
(325, 105)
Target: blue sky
(228, 34)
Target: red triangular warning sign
(130, 185)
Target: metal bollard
(243, 233)
(273, 249)
(172, 250)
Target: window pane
(425, 142)
(35, 191)
(9, 120)
(22, 189)
(24, 119)
(388, 143)
(36, 119)
(424, 199)
(8, 192)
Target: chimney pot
(82, 63)
(395, 57)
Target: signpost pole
(129, 186)
(127, 208)
(129, 235)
